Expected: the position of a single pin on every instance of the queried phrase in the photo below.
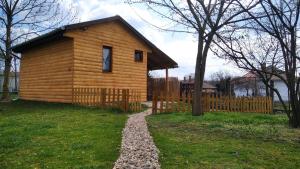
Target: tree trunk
(5, 95)
(8, 59)
(197, 108)
(199, 74)
(291, 78)
(294, 121)
(267, 91)
(271, 92)
(198, 81)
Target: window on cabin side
(138, 56)
(107, 59)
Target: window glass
(138, 56)
(107, 59)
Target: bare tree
(221, 80)
(1, 62)
(204, 19)
(220, 75)
(256, 53)
(278, 20)
(282, 23)
(23, 19)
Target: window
(107, 59)
(138, 56)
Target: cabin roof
(157, 59)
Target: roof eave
(58, 33)
(53, 35)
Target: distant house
(187, 85)
(104, 53)
(251, 85)
(13, 81)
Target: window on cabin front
(138, 56)
(107, 59)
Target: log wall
(46, 72)
(49, 72)
(126, 73)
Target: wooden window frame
(141, 52)
(111, 58)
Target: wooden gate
(159, 85)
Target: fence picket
(167, 102)
(160, 103)
(189, 103)
(124, 99)
(178, 104)
(214, 103)
(155, 103)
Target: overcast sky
(180, 47)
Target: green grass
(13, 95)
(45, 135)
(225, 140)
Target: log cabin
(103, 53)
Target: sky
(181, 47)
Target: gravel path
(138, 149)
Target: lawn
(225, 140)
(13, 95)
(45, 135)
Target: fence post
(127, 100)
(207, 98)
(98, 97)
(167, 102)
(228, 103)
(184, 103)
(123, 100)
(132, 100)
(154, 103)
(179, 103)
(73, 95)
(108, 97)
(113, 98)
(189, 103)
(84, 96)
(140, 100)
(160, 103)
(217, 102)
(103, 97)
(118, 98)
(172, 102)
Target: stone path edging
(138, 150)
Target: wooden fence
(212, 103)
(159, 85)
(124, 99)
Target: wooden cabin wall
(126, 73)
(46, 72)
